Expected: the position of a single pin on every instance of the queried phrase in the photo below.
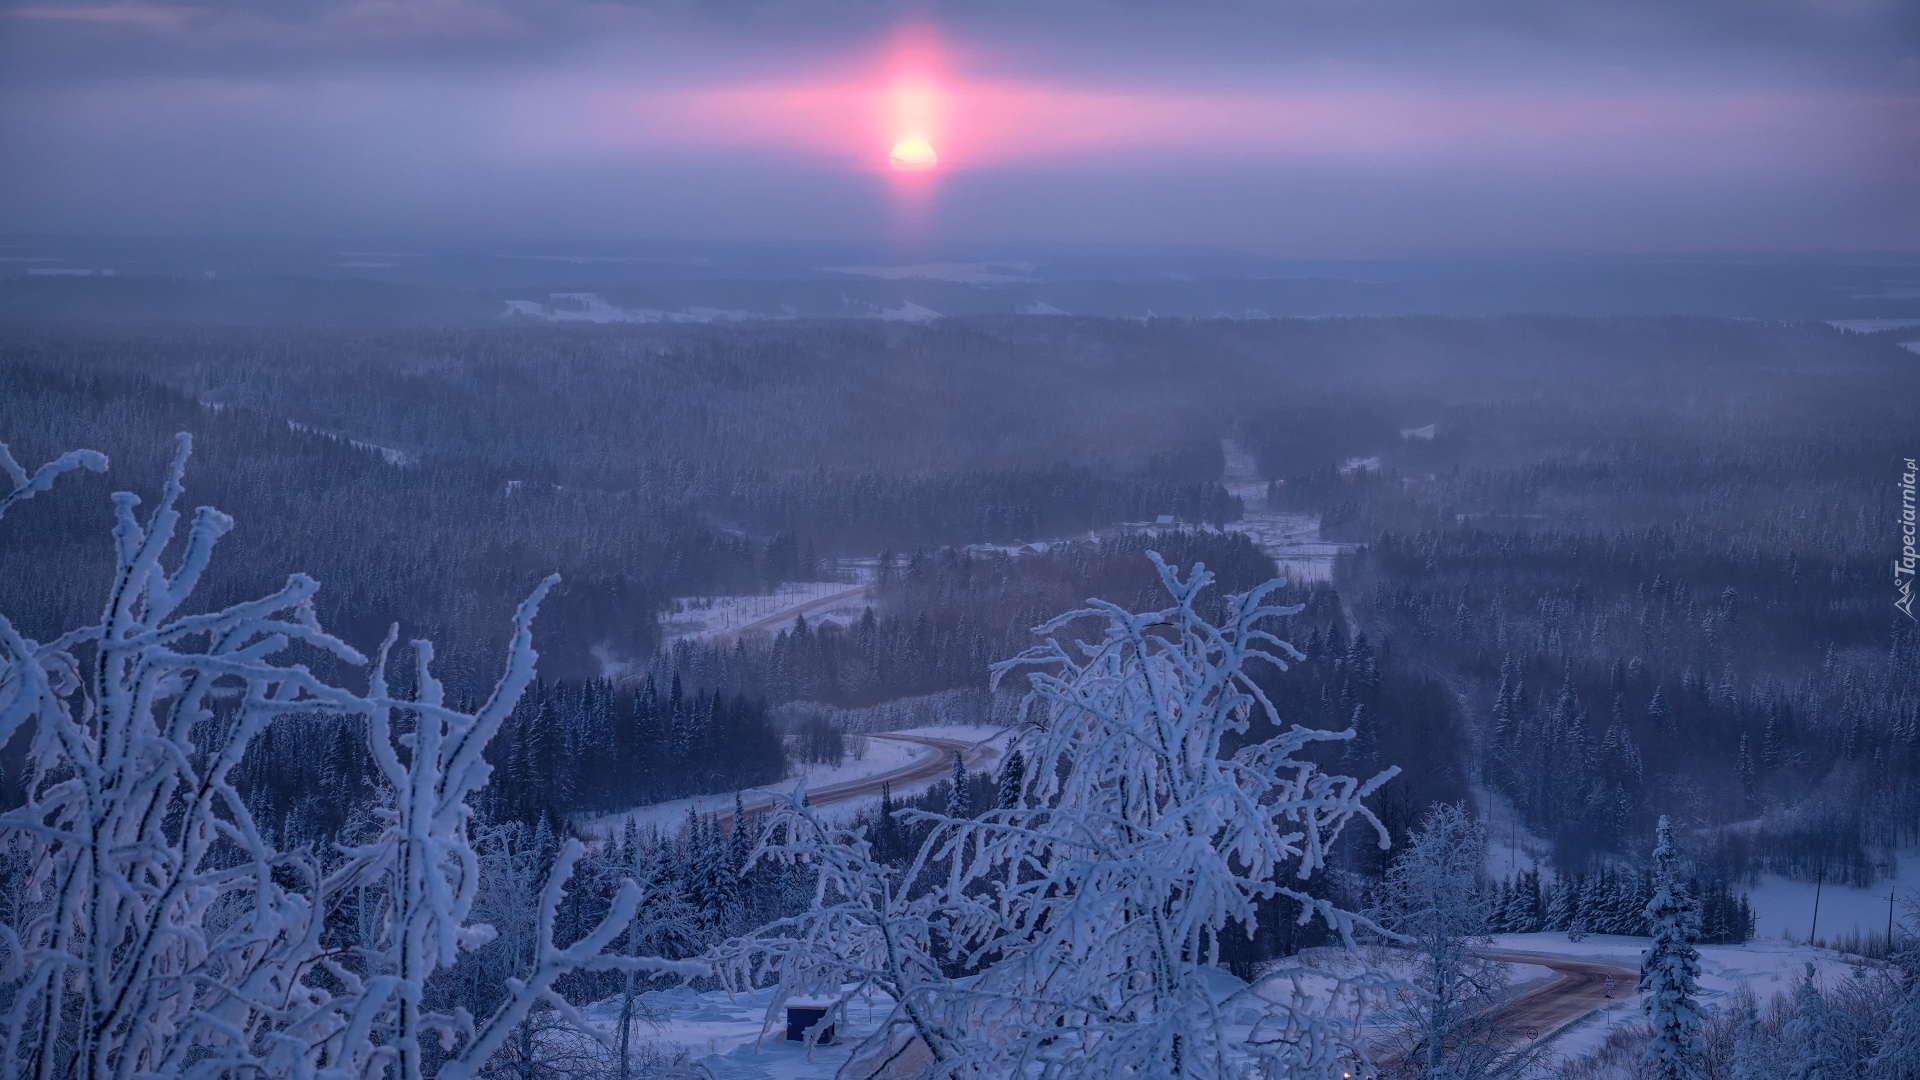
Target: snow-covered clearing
(1292, 541)
(964, 273)
(591, 307)
(1868, 326)
(908, 311)
(722, 1033)
(1784, 909)
(1511, 849)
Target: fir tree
(1670, 972)
(740, 843)
(1562, 905)
(1749, 1055)
(960, 799)
(1013, 776)
(1809, 1035)
(1899, 1055)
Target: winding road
(923, 767)
(785, 616)
(1577, 989)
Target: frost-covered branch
(859, 933)
(158, 931)
(1095, 906)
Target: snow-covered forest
(1614, 626)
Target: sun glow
(913, 154)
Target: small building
(803, 1015)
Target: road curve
(1578, 988)
(923, 767)
(785, 616)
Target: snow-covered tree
(1670, 971)
(1095, 905)
(1013, 777)
(1807, 1039)
(1433, 900)
(859, 933)
(1899, 1054)
(1749, 1052)
(960, 798)
(1898, 1057)
(158, 931)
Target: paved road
(1576, 990)
(785, 617)
(922, 767)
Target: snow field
(1783, 909)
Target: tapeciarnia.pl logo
(1903, 566)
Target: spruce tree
(740, 844)
(886, 829)
(1561, 905)
(960, 800)
(1899, 1055)
(1809, 1036)
(1670, 972)
(1749, 1054)
(1013, 777)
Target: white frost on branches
(1095, 906)
(1434, 899)
(159, 932)
(859, 934)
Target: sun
(913, 154)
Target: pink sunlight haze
(1279, 132)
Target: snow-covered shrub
(155, 930)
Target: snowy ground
(720, 1032)
(723, 1033)
(1293, 542)
(1784, 909)
(1767, 967)
(1867, 326)
(1511, 849)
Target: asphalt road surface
(923, 767)
(785, 616)
(1576, 990)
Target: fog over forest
(1575, 574)
(921, 540)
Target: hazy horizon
(1302, 131)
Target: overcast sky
(1309, 129)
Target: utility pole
(1891, 891)
(1820, 877)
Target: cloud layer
(1298, 128)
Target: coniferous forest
(1622, 577)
